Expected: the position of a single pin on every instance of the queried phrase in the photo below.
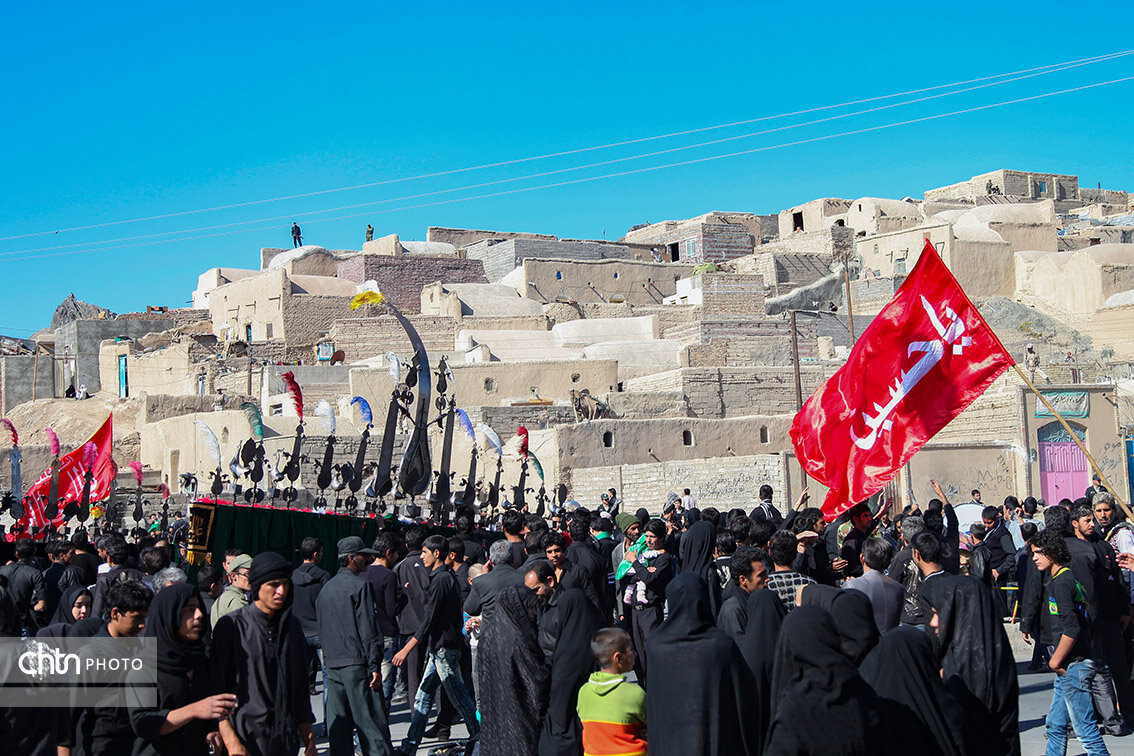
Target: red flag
(71, 478)
(923, 360)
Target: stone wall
(714, 392)
(77, 347)
(16, 375)
(722, 482)
(463, 237)
(731, 296)
(721, 242)
(365, 337)
(534, 417)
(598, 281)
(750, 342)
(502, 257)
(402, 277)
(308, 317)
(1111, 328)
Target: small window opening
(490, 385)
(687, 438)
(608, 439)
(763, 434)
(559, 275)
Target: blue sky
(132, 110)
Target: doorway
(1064, 472)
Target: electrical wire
(437, 174)
(630, 172)
(541, 174)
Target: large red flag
(71, 478)
(923, 360)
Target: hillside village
(672, 358)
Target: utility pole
(798, 385)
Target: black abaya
(977, 660)
(696, 556)
(820, 704)
(904, 672)
(512, 678)
(699, 694)
(571, 664)
(64, 619)
(765, 615)
(853, 615)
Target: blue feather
(364, 409)
(466, 424)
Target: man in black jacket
(61, 575)
(413, 581)
(440, 633)
(583, 555)
(484, 590)
(352, 653)
(307, 581)
(388, 601)
(116, 555)
(1001, 553)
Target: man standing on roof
(296, 235)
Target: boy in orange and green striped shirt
(612, 710)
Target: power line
(437, 174)
(630, 172)
(544, 174)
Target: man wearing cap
(352, 655)
(235, 594)
(1095, 487)
(259, 653)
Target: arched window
(687, 438)
(607, 439)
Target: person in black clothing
(485, 590)
(259, 654)
(61, 575)
(474, 549)
(388, 602)
(74, 606)
(116, 555)
(296, 235)
(583, 555)
(85, 557)
(455, 562)
(567, 575)
(413, 582)
(307, 581)
(979, 563)
(814, 559)
(862, 525)
(651, 570)
(105, 730)
(765, 510)
(571, 663)
(352, 655)
(512, 523)
(210, 586)
(1070, 640)
(440, 633)
(183, 723)
(1001, 552)
(25, 586)
(749, 570)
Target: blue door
(123, 387)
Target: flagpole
(798, 386)
(1075, 438)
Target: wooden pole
(798, 385)
(1074, 438)
(850, 309)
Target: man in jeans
(440, 631)
(1069, 639)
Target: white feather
(395, 368)
(212, 446)
(493, 439)
(325, 412)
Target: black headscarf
(904, 672)
(696, 554)
(691, 516)
(67, 604)
(853, 615)
(571, 664)
(820, 704)
(758, 647)
(693, 662)
(512, 678)
(174, 655)
(977, 659)
(643, 516)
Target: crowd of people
(605, 632)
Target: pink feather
(11, 429)
(164, 491)
(54, 441)
(90, 454)
(294, 390)
(522, 432)
(137, 468)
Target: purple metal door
(1063, 471)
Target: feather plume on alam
(466, 424)
(90, 454)
(367, 297)
(395, 367)
(11, 429)
(136, 467)
(492, 438)
(54, 439)
(522, 432)
(325, 412)
(210, 440)
(533, 460)
(255, 420)
(296, 393)
(363, 410)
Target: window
(690, 247)
(248, 332)
(608, 439)
(797, 221)
(687, 438)
(490, 385)
(763, 434)
(575, 377)
(1042, 187)
(268, 330)
(558, 275)
(275, 410)
(616, 274)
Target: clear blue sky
(126, 110)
